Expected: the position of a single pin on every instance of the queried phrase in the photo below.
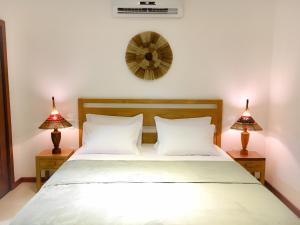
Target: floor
(11, 203)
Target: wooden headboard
(171, 109)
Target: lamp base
(56, 136)
(245, 139)
(56, 150)
(244, 152)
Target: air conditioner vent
(148, 11)
(157, 8)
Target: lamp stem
(56, 136)
(53, 103)
(245, 139)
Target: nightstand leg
(38, 176)
(262, 177)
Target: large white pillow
(110, 139)
(189, 138)
(118, 120)
(186, 121)
(199, 121)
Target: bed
(148, 189)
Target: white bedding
(148, 153)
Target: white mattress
(148, 153)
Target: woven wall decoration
(149, 55)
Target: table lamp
(245, 123)
(55, 121)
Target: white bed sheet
(149, 153)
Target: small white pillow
(176, 138)
(110, 139)
(117, 120)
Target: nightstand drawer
(252, 165)
(50, 163)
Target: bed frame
(171, 109)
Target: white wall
(283, 151)
(74, 48)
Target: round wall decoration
(149, 55)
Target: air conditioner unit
(154, 8)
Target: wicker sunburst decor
(149, 55)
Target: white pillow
(200, 121)
(110, 139)
(187, 121)
(177, 138)
(117, 120)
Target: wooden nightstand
(46, 161)
(253, 162)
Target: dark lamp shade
(246, 121)
(55, 120)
